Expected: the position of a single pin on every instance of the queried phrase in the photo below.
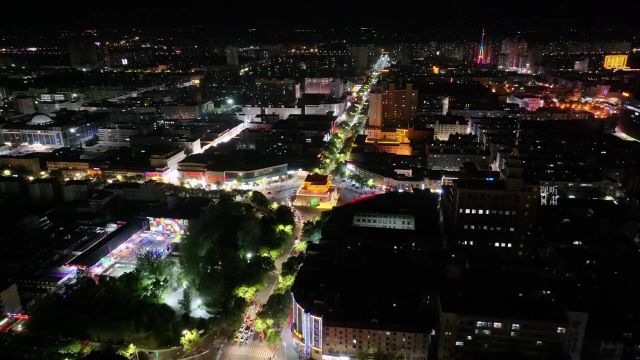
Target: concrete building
(117, 135)
(444, 126)
(10, 299)
(252, 112)
(507, 320)
(231, 52)
(360, 56)
(381, 237)
(493, 214)
(49, 103)
(74, 190)
(209, 168)
(399, 106)
(83, 54)
(179, 112)
(41, 190)
(276, 92)
(24, 105)
(452, 155)
(133, 191)
(375, 109)
(67, 130)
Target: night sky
(452, 15)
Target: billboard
(616, 62)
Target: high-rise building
(510, 53)
(232, 56)
(24, 105)
(83, 53)
(399, 106)
(360, 56)
(375, 109)
(493, 214)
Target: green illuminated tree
(190, 339)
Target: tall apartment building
(375, 109)
(495, 214)
(399, 106)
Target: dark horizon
(456, 16)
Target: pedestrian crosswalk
(253, 350)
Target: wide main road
(255, 349)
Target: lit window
(497, 325)
(459, 343)
(513, 333)
(507, 212)
(466, 226)
(497, 244)
(466, 211)
(509, 245)
(473, 211)
(354, 341)
(515, 326)
(471, 242)
(481, 324)
(503, 245)
(461, 210)
(469, 337)
(561, 330)
(512, 229)
(486, 332)
(539, 343)
(473, 227)
(481, 212)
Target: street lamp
(229, 101)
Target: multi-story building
(445, 125)
(453, 154)
(24, 105)
(399, 106)
(209, 168)
(515, 318)
(360, 56)
(62, 132)
(231, 52)
(393, 141)
(338, 317)
(9, 299)
(375, 109)
(317, 86)
(178, 112)
(117, 135)
(277, 92)
(48, 103)
(495, 214)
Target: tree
(292, 265)
(190, 339)
(248, 293)
(311, 231)
(259, 200)
(130, 351)
(185, 302)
